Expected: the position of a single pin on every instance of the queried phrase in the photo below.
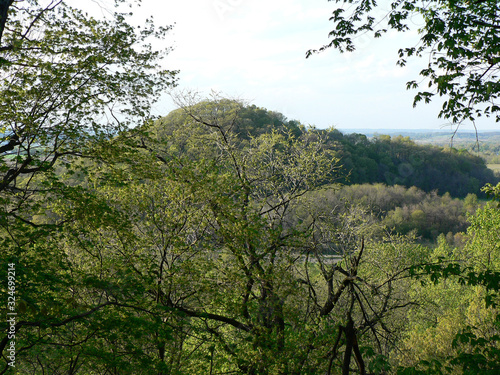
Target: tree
(166, 252)
(72, 87)
(248, 249)
(461, 38)
(461, 313)
(199, 251)
(228, 242)
(358, 280)
(68, 82)
(4, 8)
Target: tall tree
(71, 87)
(69, 81)
(228, 254)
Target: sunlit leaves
(71, 88)
(72, 80)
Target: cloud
(255, 49)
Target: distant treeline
(485, 145)
(381, 159)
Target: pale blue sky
(255, 50)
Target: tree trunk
(4, 9)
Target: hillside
(399, 160)
(382, 159)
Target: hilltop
(392, 160)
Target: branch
(37, 17)
(216, 317)
(482, 23)
(333, 299)
(13, 142)
(4, 341)
(13, 173)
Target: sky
(254, 50)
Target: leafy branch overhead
(460, 39)
(70, 81)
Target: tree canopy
(461, 39)
(390, 160)
(215, 239)
(71, 88)
(69, 81)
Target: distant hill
(483, 144)
(400, 160)
(438, 137)
(392, 160)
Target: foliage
(461, 38)
(71, 87)
(213, 241)
(189, 248)
(162, 242)
(247, 303)
(400, 161)
(392, 161)
(199, 252)
(69, 82)
(366, 290)
(461, 315)
(402, 210)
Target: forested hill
(382, 159)
(400, 161)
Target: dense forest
(205, 242)
(382, 159)
(399, 160)
(405, 185)
(223, 238)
